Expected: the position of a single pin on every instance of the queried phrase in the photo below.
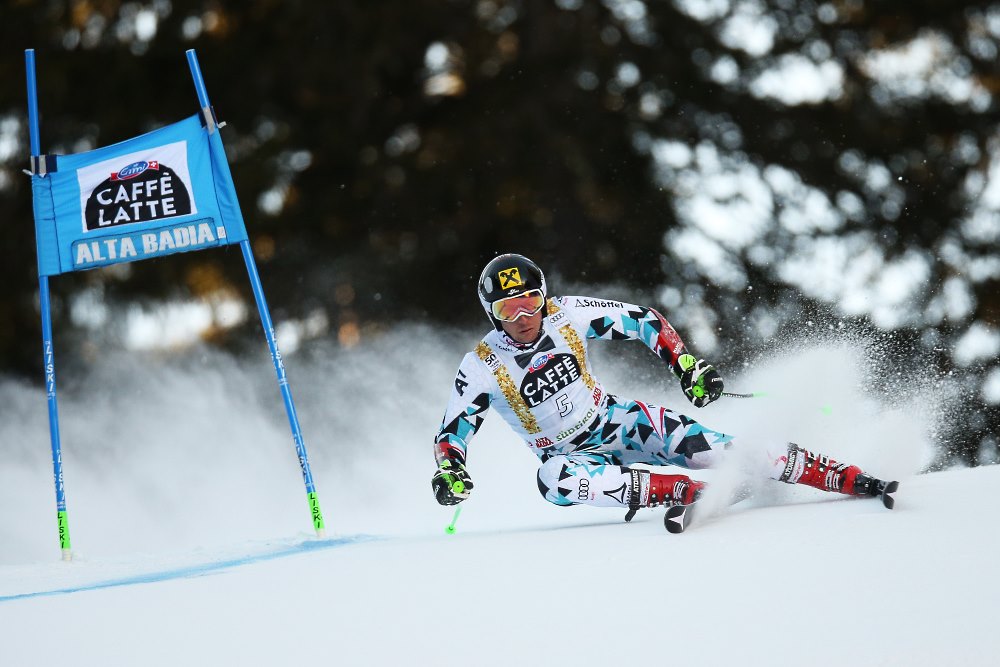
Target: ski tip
(676, 519)
(887, 498)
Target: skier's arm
(470, 398)
(617, 320)
(469, 401)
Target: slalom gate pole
(265, 320)
(48, 357)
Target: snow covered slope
(192, 545)
(817, 583)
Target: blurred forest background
(750, 166)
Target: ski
(677, 518)
(885, 493)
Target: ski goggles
(513, 307)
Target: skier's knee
(548, 481)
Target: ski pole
(457, 486)
(451, 526)
(826, 409)
(753, 394)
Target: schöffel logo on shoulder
(598, 303)
(134, 169)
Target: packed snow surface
(192, 541)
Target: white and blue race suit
(547, 392)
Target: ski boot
(650, 489)
(822, 472)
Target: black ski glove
(700, 382)
(451, 483)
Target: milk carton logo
(139, 187)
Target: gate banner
(157, 194)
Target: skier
(534, 370)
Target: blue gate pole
(265, 320)
(48, 357)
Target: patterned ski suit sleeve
(616, 320)
(470, 399)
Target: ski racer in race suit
(533, 369)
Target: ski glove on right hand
(700, 382)
(451, 483)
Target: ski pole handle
(456, 485)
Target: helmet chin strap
(520, 345)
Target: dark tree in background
(749, 164)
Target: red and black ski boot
(822, 472)
(650, 489)
(673, 490)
